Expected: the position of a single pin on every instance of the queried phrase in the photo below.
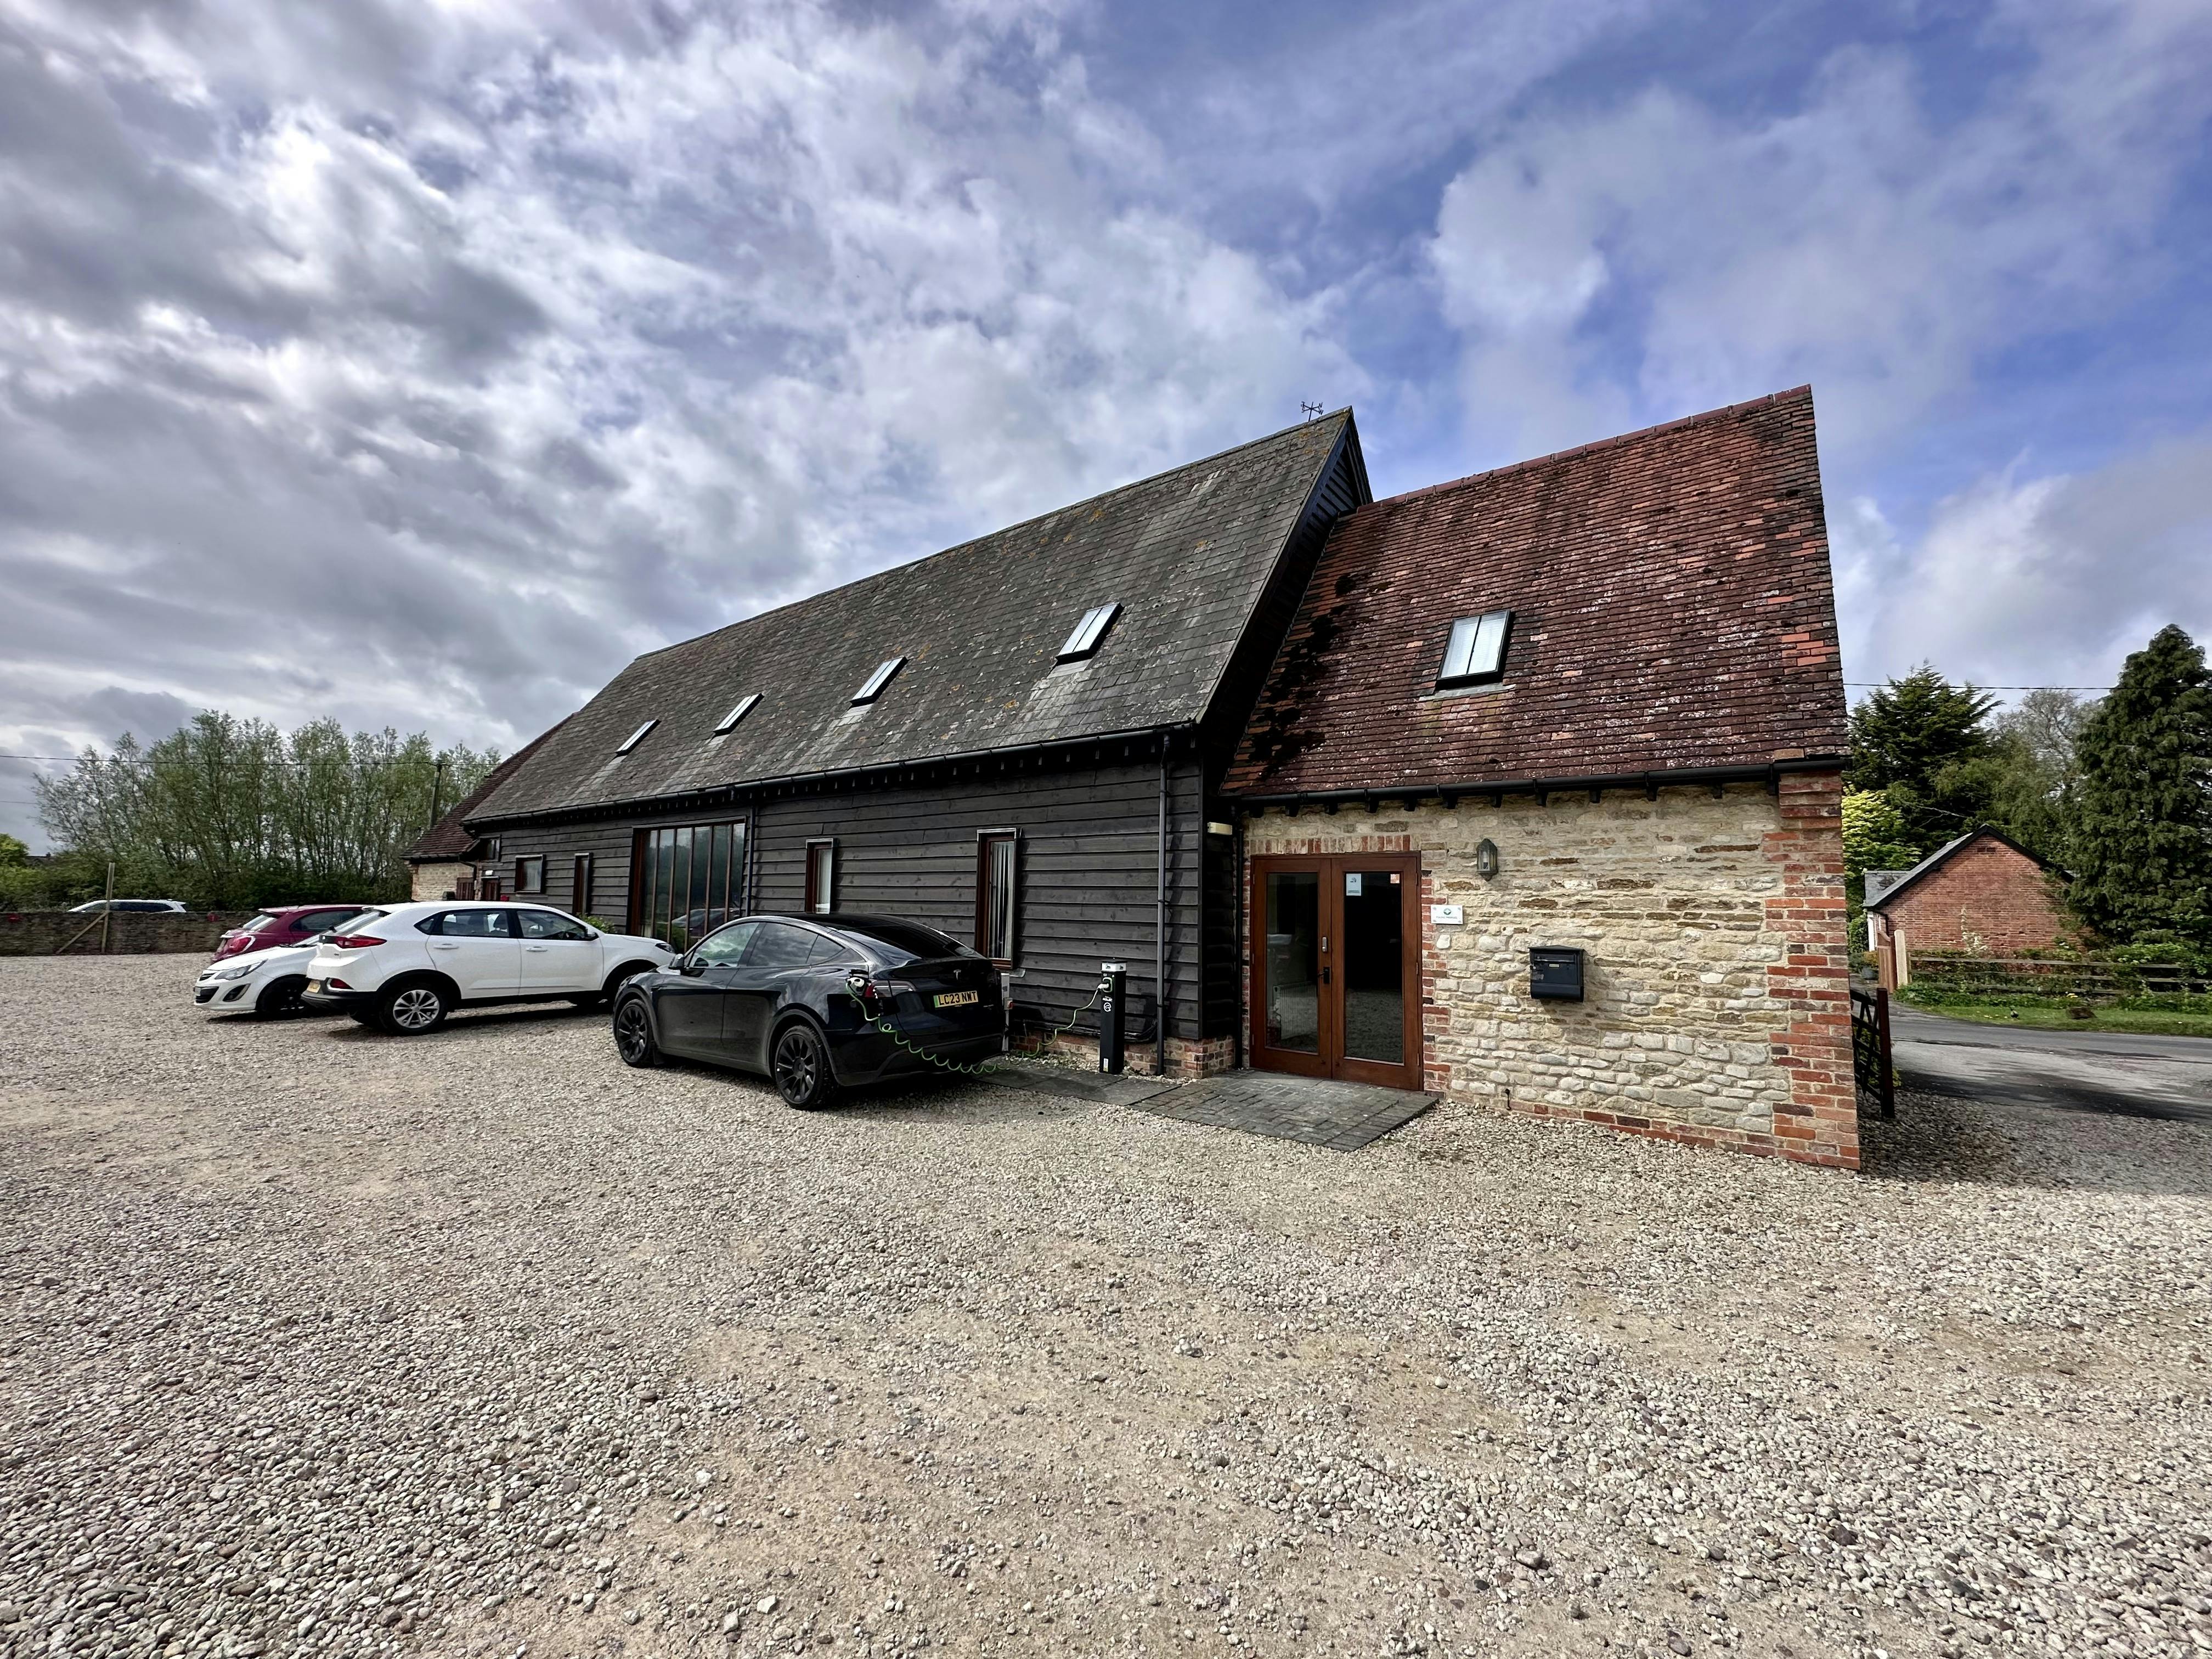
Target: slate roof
(1673, 612)
(449, 838)
(1942, 856)
(1187, 555)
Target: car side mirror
(690, 967)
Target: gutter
(1650, 782)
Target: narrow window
(879, 680)
(742, 708)
(580, 889)
(994, 896)
(1476, 650)
(821, 878)
(1083, 641)
(529, 875)
(636, 737)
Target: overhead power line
(1976, 685)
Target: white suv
(406, 967)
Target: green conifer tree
(1908, 740)
(2142, 832)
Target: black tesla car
(801, 1000)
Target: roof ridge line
(1003, 530)
(1596, 444)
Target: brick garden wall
(1987, 899)
(1718, 1009)
(131, 933)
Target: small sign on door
(1445, 915)
(1351, 883)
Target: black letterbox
(1555, 971)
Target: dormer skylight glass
(879, 680)
(1476, 651)
(636, 737)
(1083, 641)
(744, 707)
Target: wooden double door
(1336, 967)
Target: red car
(293, 924)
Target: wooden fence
(2086, 979)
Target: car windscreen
(899, 942)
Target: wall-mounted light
(1485, 858)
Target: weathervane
(1309, 411)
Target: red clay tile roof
(447, 840)
(1672, 604)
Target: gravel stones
(313, 1341)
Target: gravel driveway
(312, 1341)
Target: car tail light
(351, 941)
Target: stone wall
(131, 933)
(435, 881)
(1718, 1006)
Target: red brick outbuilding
(1984, 894)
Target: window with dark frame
(821, 878)
(879, 680)
(1475, 653)
(688, 880)
(579, 887)
(996, 855)
(1088, 632)
(529, 875)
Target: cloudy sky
(419, 362)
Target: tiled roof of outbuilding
(1672, 611)
(1187, 555)
(448, 838)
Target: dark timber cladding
(1098, 767)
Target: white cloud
(1653, 257)
(2040, 581)
(450, 357)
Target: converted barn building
(1020, 740)
(1541, 798)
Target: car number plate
(315, 985)
(955, 999)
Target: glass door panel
(1372, 960)
(1293, 966)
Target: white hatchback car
(406, 966)
(265, 983)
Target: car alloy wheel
(280, 999)
(634, 1033)
(801, 1067)
(417, 1008)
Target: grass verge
(2050, 1013)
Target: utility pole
(107, 906)
(437, 792)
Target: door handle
(539, 948)
(444, 945)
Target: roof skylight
(742, 708)
(1083, 641)
(1476, 651)
(636, 737)
(879, 680)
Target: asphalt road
(2115, 1072)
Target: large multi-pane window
(691, 879)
